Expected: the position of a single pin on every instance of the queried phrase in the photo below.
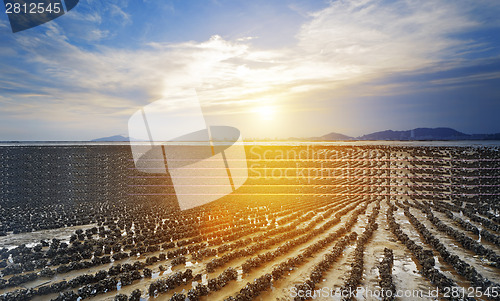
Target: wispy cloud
(93, 17)
(118, 11)
(467, 79)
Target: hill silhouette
(441, 133)
(332, 136)
(115, 138)
(418, 134)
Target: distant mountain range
(115, 138)
(415, 134)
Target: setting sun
(266, 112)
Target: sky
(272, 69)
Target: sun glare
(266, 112)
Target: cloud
(467, 79)
(351, 42)
(92, 17)
(117, 73)
(370, 36)
(347, 43)
(117, 11)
